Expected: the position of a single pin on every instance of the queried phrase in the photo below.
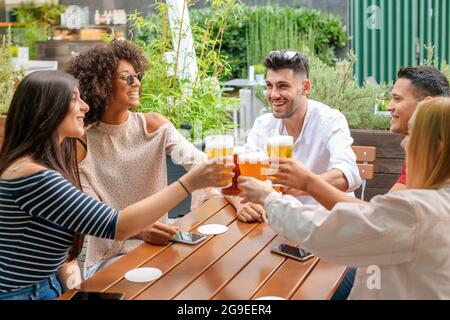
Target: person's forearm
(326, 194)
(336, 178)
(138, 216)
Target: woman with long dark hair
(43, 214)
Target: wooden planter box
(389, 161)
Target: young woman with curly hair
(125, 155)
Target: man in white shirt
(321, 135)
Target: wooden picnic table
(235, 265)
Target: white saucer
(212, 229)
(143, 274)
(270, 298)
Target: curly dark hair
(95, 69)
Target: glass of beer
(254, 164)
(279, 147)
(233, 190)
(219, 146)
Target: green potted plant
(260, 71)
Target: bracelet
(184, 187)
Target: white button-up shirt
(400, 242)
(324, 142)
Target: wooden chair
(365, 156)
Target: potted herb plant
(260, 70)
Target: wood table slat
(192, 267)
(218, 275)
(285, 281)
(255, 274)
(174, 255)
(235, 265)
(322, 282)
(197, 216)
(114, 273)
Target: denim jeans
(343, 291)
(90, 271)
(47, 289)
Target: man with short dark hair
(321, 135)
(414, 84)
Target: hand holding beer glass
(220, 146)
(279, 147)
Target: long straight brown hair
(39, 105)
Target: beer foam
(279, 141)
(219, 142)
(239, 150)
(253, 157)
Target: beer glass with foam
(220, 146)
(279, 147)
(254, 164)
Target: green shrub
(251, 32)
(233, 39)
(197, 102)
(8, 76)
(38, 20)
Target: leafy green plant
(198, 102)
(27, 37)
(431, 60)
(8, 76)
(260, 29)
(260, 69)
(233, 37)
(38, 21)
(337, 87)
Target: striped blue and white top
(39, 215)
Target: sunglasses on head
(129, 78)
(288, 54)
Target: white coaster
(212, 229)
(143, 274)
(270, 298)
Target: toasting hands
(254, 190)
(213, 173)
(292, 174)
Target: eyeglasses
(130, 78)
(288, 54)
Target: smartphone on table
(292, 252)
(91, 295)
(188, 237)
